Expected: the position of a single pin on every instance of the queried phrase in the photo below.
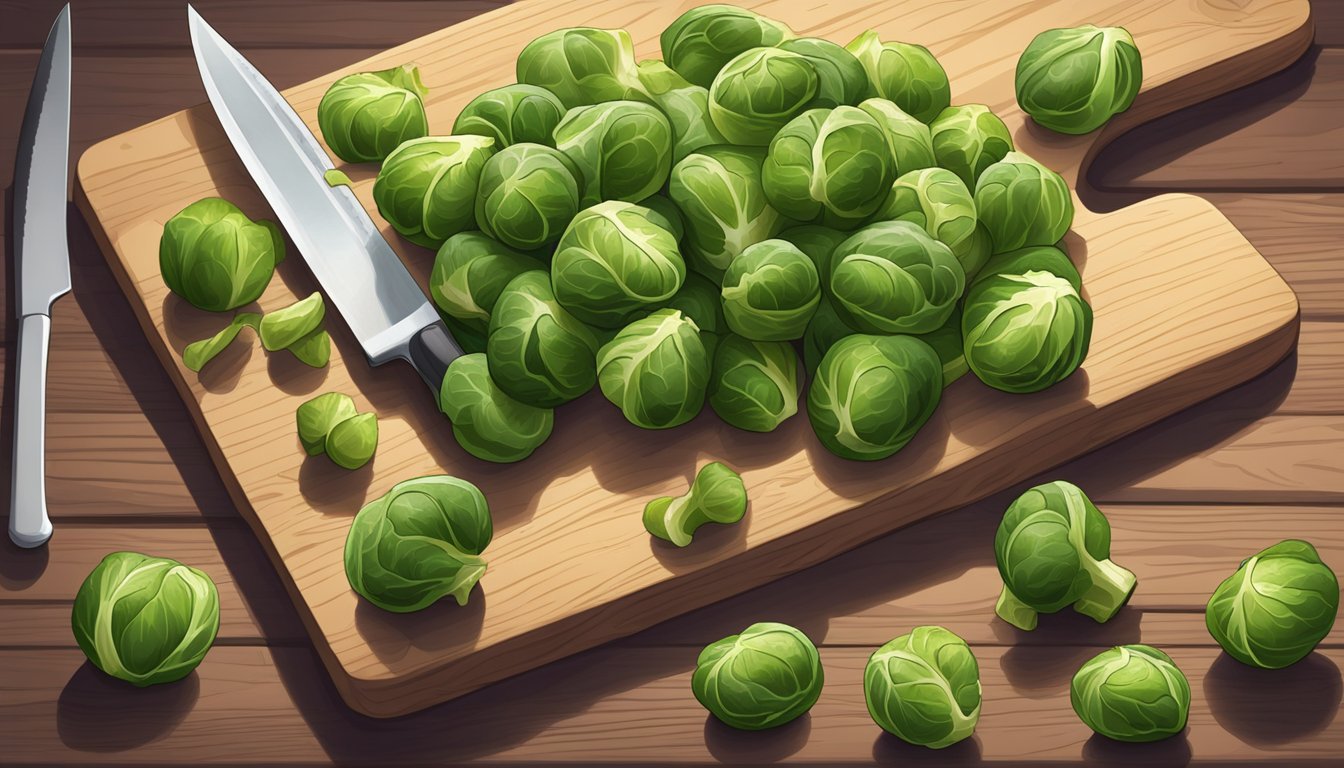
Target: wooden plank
(275, 707)
(1329, 18)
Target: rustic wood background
(1187, 498)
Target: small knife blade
(357, 269)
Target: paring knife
(42, 273)
(358, 270)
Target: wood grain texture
(1160, 344)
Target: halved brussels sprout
(583, 65)
(760, 91)
(716, 496)
(656, 370)
(686, 106)
(969, 138)
(903, 73)
(317, 417)
(488, 423)
(719, 191)
(770, 292)
(427, 187)
(1022, 203)
(924, 688)
(871, 394)
(215, 257)
(363, 117)
(615, 262)
(1131, 693)
(1074, 80)
(623, 149)
(352, 442)
(936, 200)
(538, 352)
(840, 77)
(470, 271)
(911, 143)
(528, 194)
(835, 164)
(891, 277)
(513, 114)
(702, 40)
(763, 678)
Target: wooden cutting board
(1185, 308)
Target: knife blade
(42, 272)
(360, 273)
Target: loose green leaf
(352, 442)
(283, 327)
(314, 349)
(198, 353)
(335, 178)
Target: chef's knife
(42, 274)
(358, 270)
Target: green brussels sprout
(716, 496)
(700, 301)
(924, 687)
(614, 263)
(702, 40)
(817, 243)
(469, 337)
(514, 114)
(891, 277)
(1131, 693)
(318, 416)
(1022, 203)
(655, 370)
(313, 350)
(770, 292)
(658, 78)
(946, 341)
(1025, 326)
(665, 214)
(216, 258)
(538, 352)
(623, 149)
(470, 271)
(718, 190)
(583, 66)
(871, 394)
(841, 79)
(823, 331)
(969, 138)
(760, 91)
(685, 105)
(1053, 549)
(196, 354)
(910, 140)
(427, 186)
(527, 196)
(365, 116)
(1276, 608)
(903, 73)
(936, 200)
(763, 678)
(145, 620)
(1074, 80)
(488, 423)
(418, 543)
(833, 163)
(754, 384)
(351, 443)
(284, 327)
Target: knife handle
(29, 525)
(430, 350)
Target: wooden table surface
(1187, 498)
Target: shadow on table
(99, 713)
(731, 746)
(891, 750)
(1167, 753)
(1268, 707)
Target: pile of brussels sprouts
(684, 230)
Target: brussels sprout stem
(1110, 590)
(1016, 612)
(471, 571)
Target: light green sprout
(762, 678)
(759, 92)
(702, 40)
(583, 66)
(924, 688)
(1074, 80)
(512, 114)
(903, 73)
(1131, 693)
(754, 384)
(656, 370)
(363, 117)
(716, 496)
(969, 138)
(488, 423)
(426, 187)
(770, 292)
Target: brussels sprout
(365, 116)
(758, 92)
(538, 352)
(470, 338)
(658, 78)
(718, 190)
(936, 200)
(470, 271)
(685, 105)
(699, 300)
(145, 620)
(418, 543)
(665, 214)
(1074, 80)
(817, 243)
(835, 163)
(488, 423)
(623, 149)
(770, 292)
(196, 354)
(1024, 324)
(351, 443)
(1131, 693)
(514, 114)
(823, 331)
(903, 73)
(583, 66)
(1053, 549)
(1022, 203)
(215, 257)
(716, 496)
(313, 350)
(871, 394)
(924, 687)
(318, 416)
(655, 370)
(702, 40)
(615, 262)
(947, 344)
(754, 384)
(528, 193)
(891, 277)
(840, 77)
(969, 138)
(910, 140)
(763, 678)
(427, 186)
(283, 327)
(1276, 608)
